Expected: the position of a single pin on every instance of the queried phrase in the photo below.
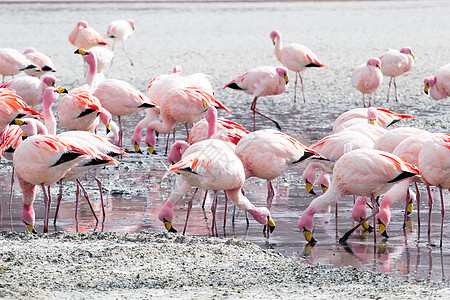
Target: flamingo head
(27, 217)
(359, 211)
(176, 152)
(383, 217)
(407, 51)
(106, 118)
(51, 94)
(29, 50)
(131, 22)
(372, 115)
(309, 177)
(150, 139)
(49, 80)
(374, 62)
(177, 69)
(165, 215)
(274, 35)
(306, 224)
(429, 81)
(82, 24)
(88, 56)
(262, 216)
(323, 181)
(283, 72)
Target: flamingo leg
(270, 194)
(418, 204)
(189, 210)
(187, 131)
(370, 100)
(204, 199)
(442, 213)
(46, 208)
(395, 89)
(364, 101)
(406, 208)
(124, 50)
(389, 89)
(87, 199)
(99, 184)
(225, 212)
(120, 132)
(12, 189)
(430, 205)
(303, 91)
(295, 87)
(253, 108)
(213, 210)
(59, 202)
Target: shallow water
(224, 40)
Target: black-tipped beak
(169, 226)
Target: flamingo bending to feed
(83, 36)
(296, 58)
(361, 172)
(268, 153)
(434, 165)
(395, 63)
(30, 89)
(212, 165)
(261, 81)
(367, 78)
(438, 85)
(184, 105)
(384, 117)
(41, 60)
(12, 62)
(121, 30)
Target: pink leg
(295, 87)
(189, 211)
(395, 88)
(442, 213)
(120, 132)
(77, 195)
(418, 203)
(204, 199)
(59, 202)
(253, 108)
(213, 210)
(99, 184)
(187, 131)
(364, 101)
(389, 89)
(406, 208)
(270, 194)
(46, 208)
(303, 91)
(225, 212)
(370, 100)
(87, 199)
(430, 205)
(12, 189)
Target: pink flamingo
(367, 78)
(333, 147)
(268, 153)
(83, 36)
(395, 63)
(30, 89)
(261, 81)
(362, 172)
(434, 165)
(391, 139)
(296, 58)
(212, 165)
(93, 77)
(384, 117)
(103, 55)
(12, 107)
(41, 60)
(183, 105)
(120, 30)
(43, 160)
(438, 85)
(12, 62)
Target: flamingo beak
(308, 236)
(426, 88)
(18, 122)
(373, 121)
(271, 225)
(151, 149)
(273, 41)
(137, 148)
(379, 67)
(324, 188)
(410, 208)
(412, 55)
(286, 78)
(168, 226)
(108, 128)
(80, 51)
(62, 90)
(309, 187)
(382, 229)
(31, 228)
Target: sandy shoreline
(161, 265)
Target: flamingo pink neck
(211, 119)
(91, 60)
(50, 95)
(176, 152)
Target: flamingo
(184, 105)
(120, 30)
(93, 77)
(12, 62)
(438, 85)
(157, 89)
(261, 81)
(212, 165)
(41, 60)
(268, 153)
(12, 106)
(384, 117)
(103, 55)
(391, 139)
(395, 63)
(367, 78)
(333, 147)
(296, 58)
(43, 160)
(83, 36)
(361, 172)
(30, 89)
(434, 165)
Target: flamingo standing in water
(212, 165)
(41, 60)
(121, 30)
(261, 81)
(395, 63)
(438, 85)
(362, 172)
(296, 58)
(83, 36)
(367, 78)
(12, 62)
(434, 165)
(30, 89)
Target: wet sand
(222, 40)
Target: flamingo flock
(361, 157)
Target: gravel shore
(161, 265)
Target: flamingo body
(41, 60)
(12, 62)
(438, 85)
(83, 36)
(30, 89)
